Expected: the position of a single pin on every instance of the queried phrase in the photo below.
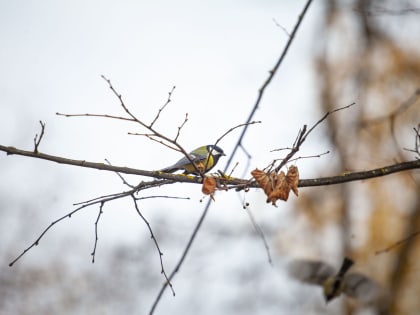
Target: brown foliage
(277, 186)
(209, 185)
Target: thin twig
(399, 110)
(150, 127)
(238, 143)
(162, 197)
(281, 26)
(180, 127)
(96, 231)
(37, 140)
(96, 115)
(303, 134)
(162, 108)
(229, 131)
(168, 282)
(98, 200)
(235, 183)
(260, 232)
(68, 215)
(119, 96)
(133, 118)
(309, 156)
(184, 254)
(385, 11)
(105, 198)
(121, 177)
(416, 141)
(152, 137)
(396, 244)
(269, 78)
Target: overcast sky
(216, 53)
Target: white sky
(216, 53)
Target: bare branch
(303, 134)
(396, 244)
(68, 215)
(99, 200)
(354, 176)
(150, 127)
(229, 131)
(309, 156)
(162, 196)
(96, 115)
(36, 140)
(121, 177)
(184, 254)
(180, 127)
(153, 138)
(234, 183)
(238, 144)
(380, 11)
(281, 26)
(416, 141)
(98, 166)
(398, 111)
(268, 80)
(119, 96)
(96, 232)
(260, 232)
(166, 178)
(162, 108)
(168, 282)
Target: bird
(204, 157)
(334, 283)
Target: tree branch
(166, 178)
(237, 146)
(354, 176)
(94, 165)
(37, 140)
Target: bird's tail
(168, 170)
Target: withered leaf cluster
(209, 185)
(277, 186)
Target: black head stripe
(215, 150)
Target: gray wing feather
(184, 161)
(361, 287)
(314, 272)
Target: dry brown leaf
(266, 182)
(281, 190)
(277, 186)
(292, 179)
(209, 185)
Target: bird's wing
(314, 272)
(184, 161)
(361, 287)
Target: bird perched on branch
(334, 283)
(205, 158)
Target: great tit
(205, 158)
(334, 283)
